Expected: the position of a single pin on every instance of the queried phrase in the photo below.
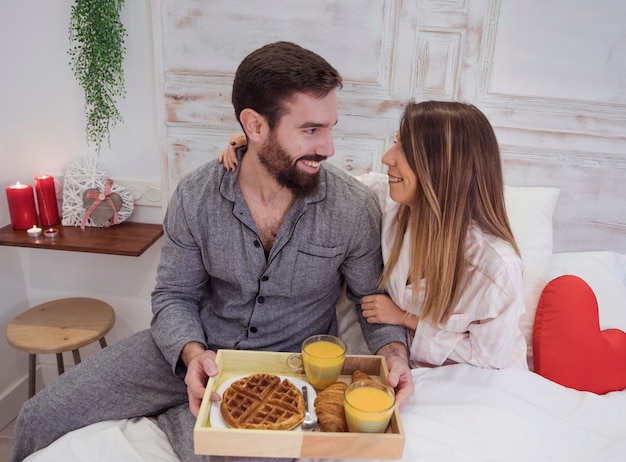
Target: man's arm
(178, 290)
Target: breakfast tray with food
(264, 381)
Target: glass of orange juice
(368, 406)
(322, 358)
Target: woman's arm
(381, 309)
(228, 156)
(485, 332)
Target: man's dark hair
(274, 73)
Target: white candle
(34, 231)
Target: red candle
(47, 200)
(21, 206)
(51, 232)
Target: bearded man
(254, 259)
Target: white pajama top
(484, 327)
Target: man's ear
(254, 124)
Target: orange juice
(370, 399)
(322, 361)
(368, 407)
(324, 350)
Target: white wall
(42, 131)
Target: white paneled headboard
(551, 76)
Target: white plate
(215, 415)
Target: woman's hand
(228, 156)
(381, 309)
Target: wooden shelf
(128, 238)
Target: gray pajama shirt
(216, 286)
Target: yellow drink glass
(322, 358)
(368, 406)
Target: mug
(368, 406)
(321, 358)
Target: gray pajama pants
(127, 379)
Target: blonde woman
(453, 275)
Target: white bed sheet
(128, 440)
(463, 413)
(458, 412)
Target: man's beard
(280, 165)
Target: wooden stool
(60, 325)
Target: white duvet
(458, 412)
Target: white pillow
(530, 211)
(605, 272)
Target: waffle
(262, 402)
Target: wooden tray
(295, 443)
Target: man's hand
(200, 366)
(400, 377)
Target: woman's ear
(254, 124)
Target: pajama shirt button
(261, 299)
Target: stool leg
(76, 356)
(60, 366)
(103, 342)
(32, 366)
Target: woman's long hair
(453, 150)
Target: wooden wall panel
(551, 77)
(549, 86)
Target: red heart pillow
(569, 347)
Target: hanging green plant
(97, 55)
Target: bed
(460, 412)
(560, 126)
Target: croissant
(329, 408)
(358, 376)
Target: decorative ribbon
(99, 197)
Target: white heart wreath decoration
(91, 198)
